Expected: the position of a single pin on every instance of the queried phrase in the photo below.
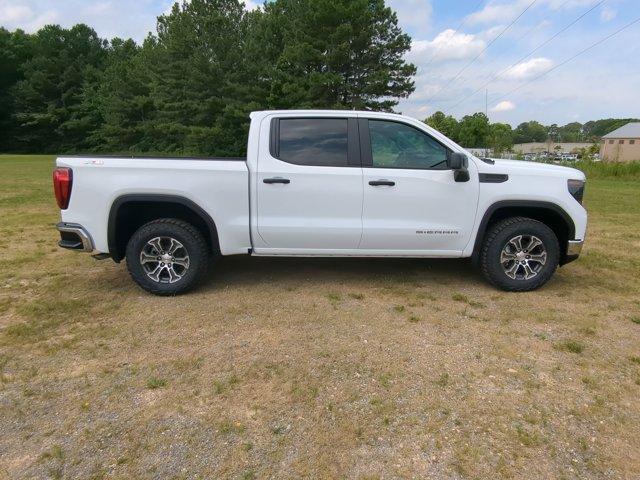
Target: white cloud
(529, 69)
(412, 13)
(11, 13)
(494, 12)
(504, 106)
(19, 14)
(109, 18)
(607, 14)
(448, 45)
(501, 11)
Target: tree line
(188, 88)
(476, 131)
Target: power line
(532, 29)
(483, 50)
(464, 20)
(546, 42)
(570, 59)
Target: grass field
(316, 368)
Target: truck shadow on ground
(246, 271)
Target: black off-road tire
(194, 248)
(499, 235)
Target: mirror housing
(458, 162)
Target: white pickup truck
(323, 183)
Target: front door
(309, 187)
(412, 203)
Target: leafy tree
(474, 130)
(445, 124)
(122, 100)
(571, 132)
(332, 54)
(500, 137)
(49, 100)
(530, 132)
(15, 48)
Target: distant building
(551, 147)
(621, 145)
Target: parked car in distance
(568, 157)
(329, 184)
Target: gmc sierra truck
(323, 183)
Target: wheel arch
(129, 212)
(551, 214)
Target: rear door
(309, 186)
(412, 202)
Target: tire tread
(202, 252)
(485, 259)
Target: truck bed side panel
(219, 187)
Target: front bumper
(574, 247)
(74, 237)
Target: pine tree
(15, 49)
(49, 100)
(332, 54)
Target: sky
(471, 55)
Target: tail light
(62, 182)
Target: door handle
(277, 180)
(379, 183)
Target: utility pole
(486, 102)
(486, 112)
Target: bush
(623, 171)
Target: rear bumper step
(74, 237)
(574, 248)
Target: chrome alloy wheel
(164, 259)
(523, 257)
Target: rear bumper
(74, 237)
(574, 247)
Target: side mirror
(458, 162)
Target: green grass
(254, 370)
(572, 346)
(604, 170)
(155, 382)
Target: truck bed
(157, 157)
(219, 185)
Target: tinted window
(396, 145)
(314, 141)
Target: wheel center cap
(166, 258)
(521, 255)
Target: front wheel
(519, 254)
(167, 256)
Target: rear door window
(319, 142)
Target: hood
(523, 167)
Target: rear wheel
(519, 254)
(167, 256)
